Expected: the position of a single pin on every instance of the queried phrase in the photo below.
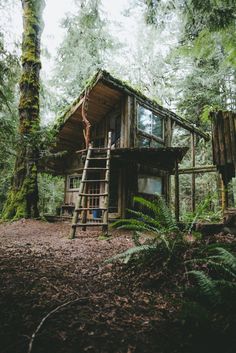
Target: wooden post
(107, 178)
(168, 141)
(176, 191)
(193, 189)
(223, 196)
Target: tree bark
(22, 200)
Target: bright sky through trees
(53, 15)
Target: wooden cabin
(142, 159)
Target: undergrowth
(203, 275)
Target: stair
(93, 163)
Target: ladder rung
(94, 181)
(90, 209)
(98, 158)
(93, 195)
(89, 224)
(95, 168)
(100, 148)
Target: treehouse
(129, 137)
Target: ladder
(97, 162)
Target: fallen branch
(47, 316)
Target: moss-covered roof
(120, 85)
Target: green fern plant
(220, 265)
(126, 255)
(155, 220)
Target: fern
(225, 257)
(133, 224)
(162, 220)
(224, 264)
(205, 283)
(126, 255)
(157, 225)
(150, 220)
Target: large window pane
(157, 126)
(144, 119)
(149, 122)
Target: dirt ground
(91, 306)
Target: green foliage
(51, 193)
(156, 222)
(154, 217)
(218, 276)
(128, 254)
(10, 70)
(202, 213)
(88, 35)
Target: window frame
(72, 176)
(141, 133)
(148, 176)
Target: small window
(74, 182)
(149, 122)
(150, 185)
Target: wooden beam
(199, 169)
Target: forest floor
(98, 307)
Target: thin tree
(22, 200)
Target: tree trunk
(22, 200)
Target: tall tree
(23, 196)
(87, 34)
(205, 75)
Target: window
(150, 185)
(74, 182)
(149, 122)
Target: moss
(103, 75)
(23, 196)
(16, 206)
(32, 28)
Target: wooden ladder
(80, 216)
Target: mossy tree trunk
(22, 200)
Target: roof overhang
(160, 158)
(104, 92)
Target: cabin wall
(122, 121)
(111, 122)
(131, 173)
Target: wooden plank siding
(224, 143)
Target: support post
(224, 195)
(176, 191)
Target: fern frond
(145, 217)
(130, 252)
(225, 284)
(221, 267)
(134, 224)
(147, 204)
(206, 284)
(226, 257)
(168, 221)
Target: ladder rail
(81, 206)
(106, 189)
(81, 189)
